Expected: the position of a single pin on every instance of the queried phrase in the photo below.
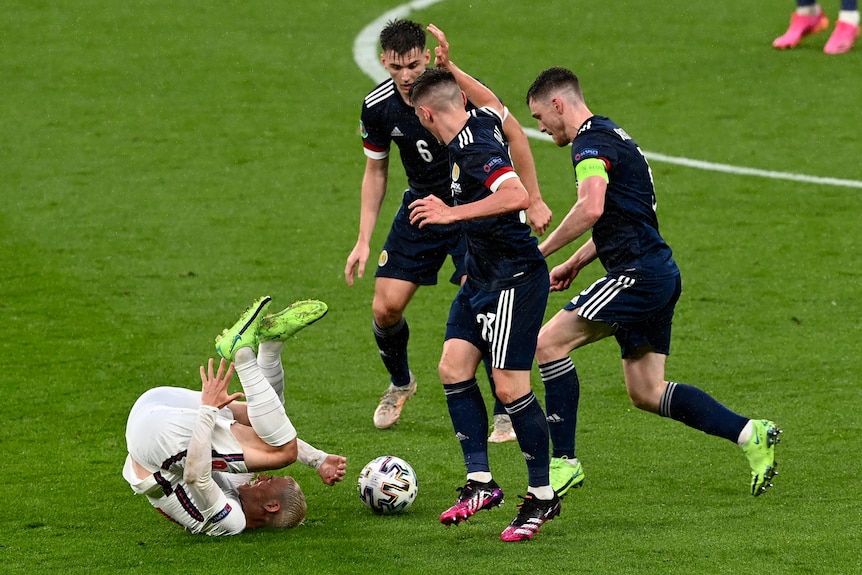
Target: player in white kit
(193, 453)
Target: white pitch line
(727, 168)
(365, 46)
(366, 57)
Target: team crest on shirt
(492, 163)
(384, 257)
(362, 129)
(455, 187)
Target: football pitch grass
(165, 163)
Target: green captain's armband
(591, 167)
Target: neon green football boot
(286, 323)
(244, 332)
(760, 451)
(566, 474)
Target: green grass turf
(165, 163)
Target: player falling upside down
(635, 301)
(192, 453)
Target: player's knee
(450, 372)
(548, 350)
(543, 351)
(446, 371)
(385, 314)
(644, 399)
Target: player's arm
(480, 95)
(593, 183)
(374, 183)
(538, 214)
(509, 195)
(197, 474)
(330, 467)
(562, 275)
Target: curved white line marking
(365, 46)
(727, 168)
(365, 55)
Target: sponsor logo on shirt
(492, 163)
(396, 133)
(586, 153)
(222, 514)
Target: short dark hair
(551, 80)
(402, 37)
(430, 82)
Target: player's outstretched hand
(441, 52)
(356, 262)
(214, 385)
(333, 469)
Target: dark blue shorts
(416, 255)
(504, 325)
(639, 310)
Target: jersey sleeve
(376, 140)
(488, 159)
(594, 146)
(219, 514)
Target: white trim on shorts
(503, 330)
(603, 296)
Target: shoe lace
(465, 493)
(529, 508)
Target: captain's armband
(591, 167)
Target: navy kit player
(635, 300)
(411, 257)
(561, 397)
(498, 311)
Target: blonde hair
(293, 507)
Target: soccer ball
(387, 485)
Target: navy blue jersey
(626, 235)
(501, 252)
(387, 118)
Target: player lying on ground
(193, 453)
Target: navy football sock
(531, 427)
(392, 343)
(562, 393)
(470, 421)
(696, 408)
